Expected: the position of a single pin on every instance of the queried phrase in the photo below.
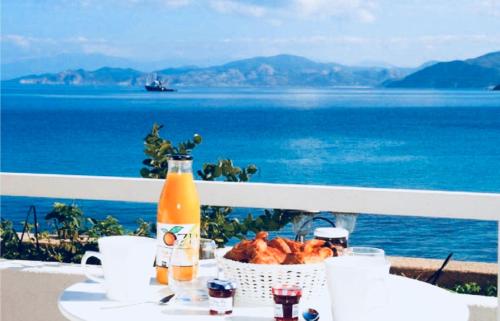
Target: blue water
(447, 140)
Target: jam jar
(220, 296)
(334, 237)
(286, 302)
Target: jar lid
(331, 232)
(218, 285)
(287, 290)
(180, 157)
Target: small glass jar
(334, 237)
(286, 302)
(207, 249)
(220, 296)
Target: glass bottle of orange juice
(178, 214)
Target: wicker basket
(256, 280)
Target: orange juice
(178, 214)
(182, 273)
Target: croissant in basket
(278, 251)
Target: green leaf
(228, 227)
(165, 147)
(252, 169)
(197, 139)
(145, 172)
(243, 177)
(217, 171)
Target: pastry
(279, 251)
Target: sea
(416, 139)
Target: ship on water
(156, 85)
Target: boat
(156, 85)
(497, 87)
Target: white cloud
(99, 45)
(426, 41)
(440, 40)
(241, 8)
(162, 3)
(176, 3)
(490, 7)
(20, 41)
(275, 22)
(78, 39)
(25, 41)
(76, 44)
(274, 12)
(362, 10)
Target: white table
(409, 300)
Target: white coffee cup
(127, 263)
(357, 286)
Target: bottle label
(220, 305)
(167, 234)
(279, 313)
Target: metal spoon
(162, 301)
(166, 299)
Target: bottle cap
(287, 290)
(331, 232)
(180, 157)
(217, 284)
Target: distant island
(290, 71)
(480, 72)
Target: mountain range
(67, 61)
(280, 70)
(480, 72)
(289, 70)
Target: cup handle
(85, 258)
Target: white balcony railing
(403, 202)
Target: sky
(208, 32)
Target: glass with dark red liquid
(286, 302)
(220, 296)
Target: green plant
(144, 228)
(68, 220)
(467, 288)
(105, 227)
(491, 290)
(71, 239)
(157, 149)
(225, 169)
(9, 240)
(217, 225)
(216, 221)
(475, 289)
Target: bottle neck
(180, 166)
